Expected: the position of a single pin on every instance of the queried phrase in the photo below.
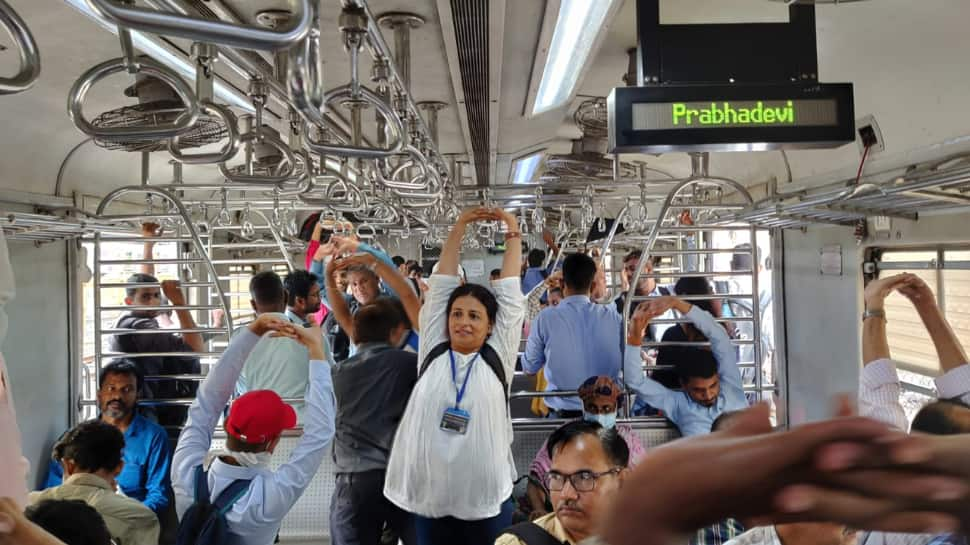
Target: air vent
(471, 33)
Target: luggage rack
(52, 227)
(940, 187)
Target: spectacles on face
(582, 481)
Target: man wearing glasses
(589, 464)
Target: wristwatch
(874, 313)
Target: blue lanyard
(454, 377)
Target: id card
(455, 421)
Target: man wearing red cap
(255, 423)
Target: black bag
(533, 534)
(487, 353)
(204, 522)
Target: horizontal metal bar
(713, 274)
(239, 227)
(705, 228)
(140, 217)
(556, 393)
(662, 253)
(695, 297)
(160, 331)
(657, 344)
(113, 355)
(248, 261)
(906, 265)
(688, 321)
(231, 294)
(246, 245)
(194, 378)
(699, 206)
(154, 285)
(161, 307)
(151, 261)
(105, 239)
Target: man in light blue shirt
(574, 340)
(711, 381)
(276, 363)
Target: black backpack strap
(228, 497)
(494, 362)
(533, 534)
(487, 353)
(663, 290)
(433, 355)
(201, 485)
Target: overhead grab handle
(75, 101)
(288, 163)
(208, 30)
(305, 78)
(29, 55)
(205, 55)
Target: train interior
(394, 115)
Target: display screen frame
(624, 139)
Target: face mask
(245, 459)
(607, 420)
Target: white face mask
(245, 459)
(607, 420)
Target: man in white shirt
(879, 387)
(254, 426)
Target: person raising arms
(451, 466)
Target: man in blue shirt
(145, 476)
(711, 381)
(574, 340)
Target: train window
(946, 270)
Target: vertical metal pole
(756, 315)
(75, 321)
(97, 302)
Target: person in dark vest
(142, 318)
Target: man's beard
(116, 409)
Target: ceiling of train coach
(905, 58)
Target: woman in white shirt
(451, 466)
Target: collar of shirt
(575, 300)
(88, 479)
(291, 316)
(138, 423)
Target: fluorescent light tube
(166, 55)
(524, 168)
(576, 29)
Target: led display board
(662, 119)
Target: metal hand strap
(305, 78)
(394, 124)
(184, 123)
(257, 135)
(205, 55)
(208, 30)
(29, 55)
(353, 25)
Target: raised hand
(917, 291)
(472, 215)
(880, 288)
(173, 292)
(344, 245)
(151, 230)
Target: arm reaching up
(948, 347)
(174, 294)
